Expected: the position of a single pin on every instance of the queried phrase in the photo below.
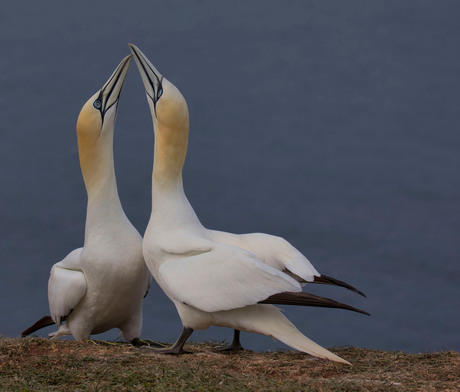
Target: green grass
(34, 364)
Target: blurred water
(332, 124)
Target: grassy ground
(35, 364)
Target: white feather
(274, 251)
(221, 278)
(270, 321)
(66, 288)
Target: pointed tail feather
(324, 279)
(269, 320)
(42, 323)
(306, 299)
(295, 339)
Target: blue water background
(333, 124)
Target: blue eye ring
(159, 93)
(97, 104)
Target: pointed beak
(110, 92)
(150, 76)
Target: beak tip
(132, 47)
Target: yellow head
(96, 123)
(170, 119)
(99, 112)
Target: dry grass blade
(40, 364)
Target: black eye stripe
(99, 101)
(159, 93)
(150, 96)
(112, 87)
(98, 104)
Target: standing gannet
(210, 276)
(100, 286)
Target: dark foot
(148, 343)
(235, 346)
(180, 351)
(177, 348)
(174, 350)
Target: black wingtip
(324, 279)
(42, 323)
(307, 299)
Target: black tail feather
(306, 299)
(324, 279)
(42, 323)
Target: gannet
(215, 278)
(101, 285)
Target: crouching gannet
(216, 278)
(102, 285)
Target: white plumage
(273, 251)
(66, 286)
(238, 279)
(101, 285)
(212, 277)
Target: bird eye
(97, 104)
(160, 93)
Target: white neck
(104, 209)
(171, 207)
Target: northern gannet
(101, 285)
(216, 278)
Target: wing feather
(273, 251)
(222, 277)
(66, 287)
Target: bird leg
(178, 347)
(235, 346)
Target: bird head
(98, 114)
(167, 105)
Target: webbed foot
(136, 342)
(235, 346)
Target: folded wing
(222, 277)
(66, 287)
